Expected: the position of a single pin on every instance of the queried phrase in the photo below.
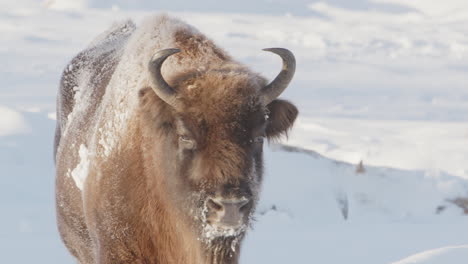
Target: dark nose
(228, 212)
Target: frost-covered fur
(127, 191)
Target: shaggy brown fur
(144, 201)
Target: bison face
(220, 162)
(212, 161)
(206, 130)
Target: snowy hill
(391, 213)
(378, 81)
(452, 255)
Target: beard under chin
(223, 249)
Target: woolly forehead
(224, 96)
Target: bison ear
(282, 115)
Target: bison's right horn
(160, 86)
(277, 86)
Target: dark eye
(186, 142)
(259, 139)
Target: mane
(155, 33)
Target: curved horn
(160, 86)
(277, 86)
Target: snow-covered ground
(379, 81)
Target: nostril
(227, 212)
(214, 205)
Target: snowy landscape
(375, 170)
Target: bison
(158, 145)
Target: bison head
(205, 133)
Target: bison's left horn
(160, 86)
(277, 86)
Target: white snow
(211, 232)
(450, 10)
(11, 122)
(391, 213)
(80, 172)
(414, 145)
(65, 4)
(378, 81)
(52, 115)
(445, 255)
